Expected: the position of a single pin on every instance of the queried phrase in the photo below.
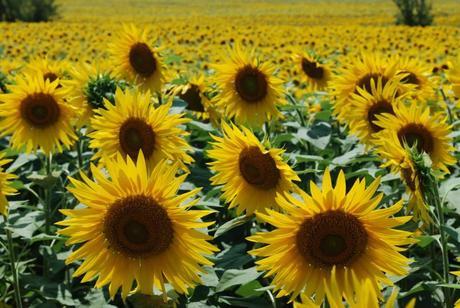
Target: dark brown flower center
(312, 69)
(251, 84)
(137, 226)
(378, 108)
(193, 99)
(258, 169)
(40, 110)
(135, 135)
(331, 238)
(365, 81)
(50, 76)
(418, 134)
(410, 78)
(142, 60)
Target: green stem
(267, 130)
(17, 287)
(47, 208)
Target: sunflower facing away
(87, 88)
(135, 227)
(37, 116)
(6, 188)
(367, 105)
(250, 92)
(328, 243)
(136, 61)
(414, 126)
(359, 75)
(133, 124)
(316, 74)
(251, 175)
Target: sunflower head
(313, 71)
(136, 228)
(415, 79)
(250, 91)
(6, 188)
(135, 60)
(332, 240)
(47, 69)
(133, 124)
(37, 116)
(251, 174)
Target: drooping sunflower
(135, 60)
(135, 227)
(316, 74)
(366, 105)
(359, 75)
(250, 91)
(194, 94)
(48, 69)
(250, 173)
(87, 88)
(323, 240)
(37, 116)
(415, 79)
(6, 188)
(133, 124)
(414, 126)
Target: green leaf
(229, 225)
(424, 240)
(250, 289)
(235, 277)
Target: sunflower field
(237, 153)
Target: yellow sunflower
(134, 124)
(87, 88)
(136, 61)
(49, 70)
(135, 227)
(250, 91)
(380, 98)
(251, 175)
(332, 239)
(411, 126)
(316, 74)
(415, 126)
(359, 75)
(6, 188)
(37, 116)
(454, 77)
(416, 79)
(193, 93)
(457, 273)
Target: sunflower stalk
(12, 255)
(430, 190)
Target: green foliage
(100, 87)
(414, 12)
(27, 10)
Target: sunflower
(133, 124)
(457, 273)
(416, 76)
(6, 188)
(88, 87)
(194, 94)
(454, 77)
(135, 227)
(359, 75)
(37, 116)
(381, 98)
(313, 71)
(251, 175)
(250, 92)
(49, 70)
(332, 240)
(415, 126)
(136, 61)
